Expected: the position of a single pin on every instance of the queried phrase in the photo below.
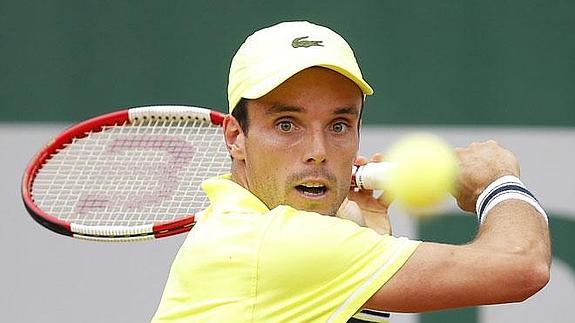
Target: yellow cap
(272, 55)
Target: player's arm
(508, 261)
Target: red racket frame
(96, 124)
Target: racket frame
(96, 124)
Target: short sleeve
(315, 267)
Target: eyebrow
(281, 108)
(347, 110)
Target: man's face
(302, 141)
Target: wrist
(505, 188)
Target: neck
(239, 173)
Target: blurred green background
(430, 62)
(460, 64)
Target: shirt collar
(227, 195)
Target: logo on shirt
(301, 42)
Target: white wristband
(502, 189)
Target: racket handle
(371, 176)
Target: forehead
(313, 90)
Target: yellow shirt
(245, 263)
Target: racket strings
(132, 174)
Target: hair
(240, 112)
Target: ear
(234, 137)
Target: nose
(315, 148)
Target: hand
(479, 165)
(365, 209)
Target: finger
(356, 194)
(377, 157)
(360, 160)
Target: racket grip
(371, 176)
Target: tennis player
(269, 248)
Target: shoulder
(341, 263)
(290, 223)
(324, 240)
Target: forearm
(512, 221)
(514, 226)
(509, 259)
(516, 237)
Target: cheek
(266, 150)
(266, 161)
(274, 148)
(345, 149)
(344, 156)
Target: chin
(319, 208)
(324, 207)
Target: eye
(285, 126)
(339, 127)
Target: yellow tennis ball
(425, 169)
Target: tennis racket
(133, 174)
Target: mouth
(312, 189)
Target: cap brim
(265, 86)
